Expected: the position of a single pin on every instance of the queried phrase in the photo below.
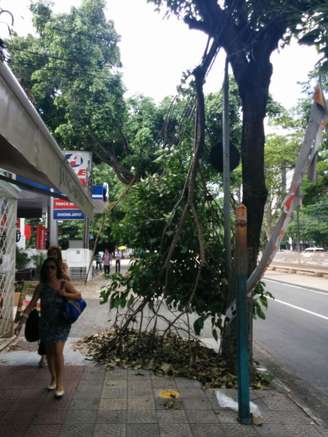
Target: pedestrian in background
(106, 262)
(98, 261)
(117, 255)
(53, 290)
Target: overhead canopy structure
(28, 149)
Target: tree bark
(253, 82)
(254, 189)
(252, 152)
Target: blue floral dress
(52, 327)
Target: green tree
(311, 227)
(249, 31)
(70, 70)
(280, 157)
(152, 211)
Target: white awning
(28, 149)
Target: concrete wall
(292, 257)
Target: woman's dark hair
(57, 251)
(44, 269)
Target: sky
(155, 51)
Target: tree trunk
(254, 189)
(253, 87)
(249, 53)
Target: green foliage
(313, 213)
(142, 131)
(148, 208)
(260, 301)
(22, 259)
(70, 71)
(69, 230)
(313, 224)
(38, 260)
(280, 157)
(306, 20)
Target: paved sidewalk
(127, 403)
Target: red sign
(28, 232)
(80, 162)
(40, 237)
(64, 204)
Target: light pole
(226, 168)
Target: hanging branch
(186, 203)
(189, 188)
(198, 147)
(199, 74)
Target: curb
(295, 285)
(279, 384)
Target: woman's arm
(28, 309)
(69, 291)
(65, 271)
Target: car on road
(314, 249)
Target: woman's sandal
(51, 386)
(59, 394)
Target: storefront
(29, 150)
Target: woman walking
(53, 328)
(53, 252)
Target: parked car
(314, 249)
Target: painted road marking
(321, 316)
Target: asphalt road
(294, 339)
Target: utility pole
(244, 414)
(86, 234)
(226, 167)
(52, 225)
(228, 344)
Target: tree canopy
(249, 31)
(71, 72)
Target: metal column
(242, 316)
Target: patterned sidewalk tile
(144, 430)
(128, 403)
(109, 430)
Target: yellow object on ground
(169, 394)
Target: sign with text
(68, 214)
(81, 164)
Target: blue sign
(100, 192)
(68, 214)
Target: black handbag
(32, 326)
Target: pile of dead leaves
(171, 356)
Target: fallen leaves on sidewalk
(169, 355)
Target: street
(294, 337)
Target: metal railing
(7, 264)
